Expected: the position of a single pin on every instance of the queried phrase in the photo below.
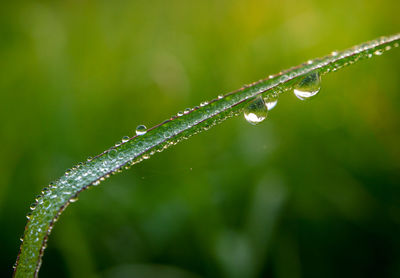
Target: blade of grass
(60, 193)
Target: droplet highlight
(308, 87)
(256, 111)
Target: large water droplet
(270, 102)
(308, 87)
(256, 111)
(141, 129)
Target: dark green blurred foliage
(312, 192)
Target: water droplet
(187, 110)
(378, 52)
(146, 156)
(179, 114)
(270, 102)
(112, 154)
(73, 199)
(125, 139)
(204, 103)
(220, 96)
(388, 47)
(310, 62)
(256, 111)
(89, 158)
(32, 206)
(29, 215)
(141, 129)
(308, 87)
(334, 53)
(396, 44)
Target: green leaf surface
(60, 193)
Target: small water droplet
(32, 206)
(204, 103)
(73, 199)
(125, 139)
(310, 62)
(396, 44)
(369, 55)
(146, 156)
(334, 53)
(378, 52)
(112, 154)
(141, 129)
(29, 215)
(179, 114)
(270, 102)
(187, 111)
(388, 47)
(308, 87)
(256, 111)
(89, 158)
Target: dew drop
(396, 44)
(256, 111)
(187, 111)
(220, 96)
(112, 154)
(334, 53)
(308, 87)
(179, 114)
(387, 48)
(141, 129)
(310, 62)
(204, 103)
(378, 52)
(270, 102)
(125, 139)
(146, 156)
(73, 200)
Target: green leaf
(59, 194)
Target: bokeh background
(314, 191)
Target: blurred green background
(311, 192)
